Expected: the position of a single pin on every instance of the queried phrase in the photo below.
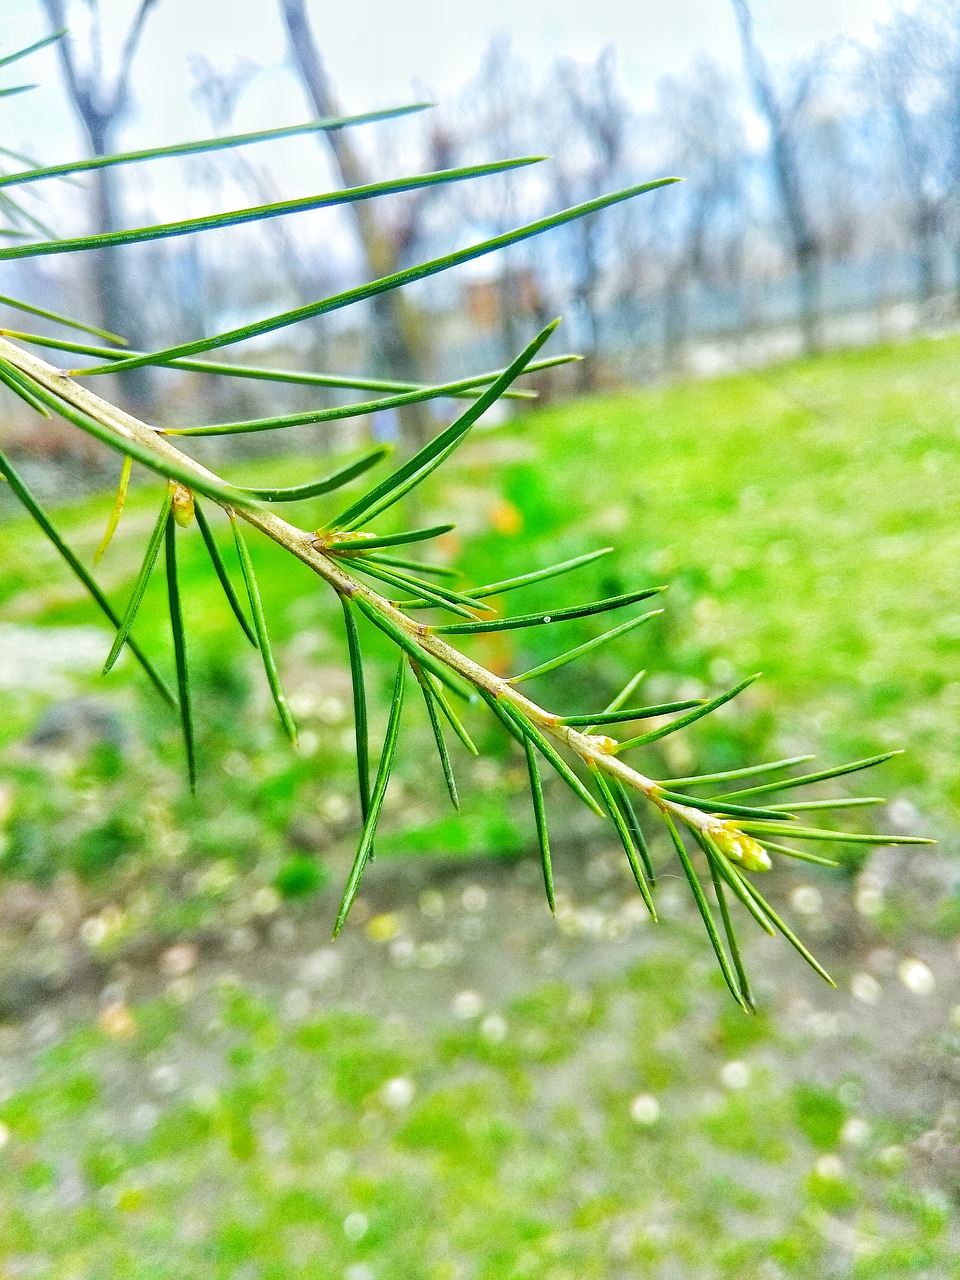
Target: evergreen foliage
(735, 839)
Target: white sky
(383, 53)
(380, 53)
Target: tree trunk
(675, 322)
(926, 228)
(808, 270)
(787, 176)
(110, 277)
(400, 347)
(99, 113)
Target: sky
(379, 54)
(382, 53)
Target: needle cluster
(722, 833)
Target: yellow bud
(335, 539)
(182, 505)
(739, 847)
(117, 1021)
(384, 928)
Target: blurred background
(193, 1080)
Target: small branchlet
(734, 838)
(734, 833)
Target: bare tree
(398, 332)
(782, 113)
(218, 90)
(950, 52)
(101, 104)
(580, 118)
(701, 129)
(914, 71)
(497, 112)
(592, 117)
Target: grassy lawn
(629, 1127)
(577, 1120)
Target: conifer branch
(736, 838)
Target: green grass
(577, 1132)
